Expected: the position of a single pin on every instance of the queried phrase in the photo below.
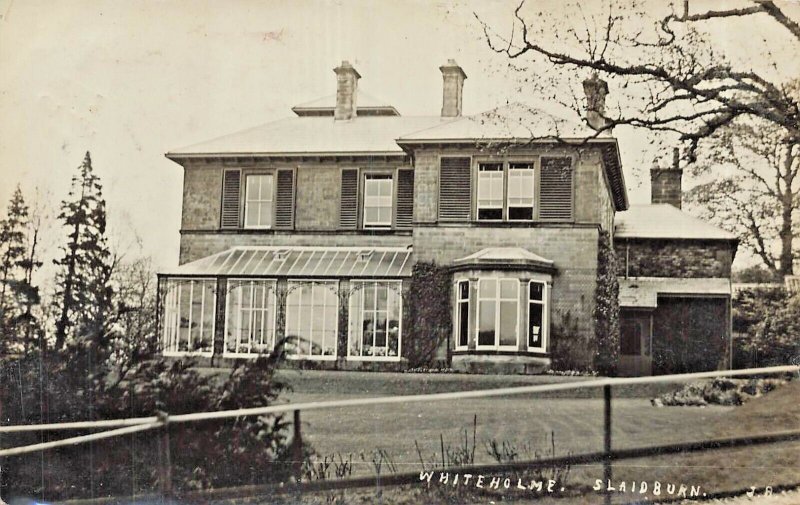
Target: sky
(130, 81)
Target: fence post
(165, 467)
(607, 441)
(297, 449)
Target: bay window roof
(504, 258)
(301, 261)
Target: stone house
(307, 230)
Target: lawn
(572, 418)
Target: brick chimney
(346, 91)
(595, 90)
(453, 84)
(665, 183)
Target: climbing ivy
(428, 314)
(606, 310)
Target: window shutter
(455, 183)
(348, 206)
(404, 210)
(555, 200)
(231, 201)
(284, 200)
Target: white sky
(131, 80)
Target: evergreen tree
(12, 274)
(83, 292)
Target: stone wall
(673, 258)
(573, 250)
(317, 191)
(591, 199)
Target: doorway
(636, 344)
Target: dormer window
(259, 192)
(378, 200)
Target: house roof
(381, 134)
(513, 122)
(317, 262)
(314, 135)
(503, 258)
(366, 103)
(643, 292)
(663, 221)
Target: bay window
(375, 320)
(312, 319)
(498, 309)
(537, 316)
(378, 200)
(250, 318)
(258, 202)
(188, 316)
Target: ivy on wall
(606, 309)
(428, 314)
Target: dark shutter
(348, 206)
(284, 200)
(555, 197)
(405, 199)
(455, 189)
(231, 201)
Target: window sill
(295, 357)
(182, 354)
(373, 358)
(501, 352)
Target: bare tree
(668, 74)
(759, 195)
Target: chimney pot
(453, 85)
(346, 91)
(595, 90)
(666, 183)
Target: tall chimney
(665, 183)
(346, 91)
(453, 85)
(595, 90)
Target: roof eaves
(178, 156)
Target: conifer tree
(12, 274)
(83, 292)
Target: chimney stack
(665, 183)
(595, 90)
(453, 85)
(346, 91)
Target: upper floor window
(259, 192)
(520, 191)
(505, 191)
(378, 200)
(490, 191)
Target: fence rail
(132, 425)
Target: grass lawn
(574, 418)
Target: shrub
(65, 387)
(568, 347)
(718, 392)
(767, 321)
